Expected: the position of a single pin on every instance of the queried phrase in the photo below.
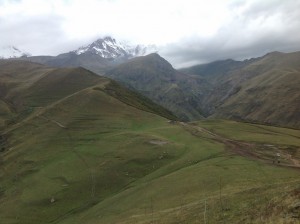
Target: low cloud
(187, 32)
(254, 30)
(35, 34)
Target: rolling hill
(28, 86)
(85, 149)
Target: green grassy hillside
(5, 113)
(98, 153)
(28, 87)
(58, 84)
(270, 94)
(15, 79)
(103, 161)
(263, 90)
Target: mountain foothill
(260, 90)
(113, 133)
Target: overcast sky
(185, 31)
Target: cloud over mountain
(187, 32)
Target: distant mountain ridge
(263, 90)
(99, 56)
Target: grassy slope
(271, 96)
(58, 84)
(176, 191)
(26, 87)
(102, 160)
(108, 166)
(5, 113)
(264, 90)
(15, 79)
(36, 140)
(46, 160)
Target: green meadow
(90, 151)
(124, 165)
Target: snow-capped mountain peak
(12, 52)
(108, 47)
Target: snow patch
(108, 47)
(7, 52)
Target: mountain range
(99, 56)
(76, 147)
(80, 147)
(263, 90)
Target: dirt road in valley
(251, 150)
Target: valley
(263, 90)
(81, 148)
(149, 112)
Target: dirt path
(247, 149)
(238, 147)
(296, 162)
(53, 121)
